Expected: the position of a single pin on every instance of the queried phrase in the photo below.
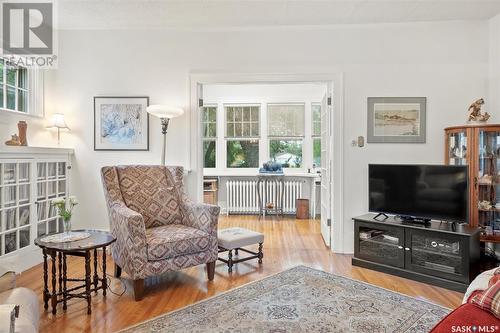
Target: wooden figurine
(14, 141)
(475, 111)
(22, 127)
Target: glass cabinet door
(437, 255)
(457, 148)
(382, 244)
(488, 181)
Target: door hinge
(200, 102)
(329, 222)
(329, 101)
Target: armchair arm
(7, 281)
(129, 250)
(201, 216)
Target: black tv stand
(413, 219)
(435, 253)
(381, 214)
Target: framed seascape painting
(396, 119)
(121, 123)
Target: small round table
(81, 248)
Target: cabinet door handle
(400, 247)
(407, 249)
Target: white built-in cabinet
(29, 179)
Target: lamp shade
(57, 121)
(165, 111)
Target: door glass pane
(61, 169)
(52, 226)
(24, 193)
(52, 169)
(317, 152)
(40, 230)
(10, 242)
(436, 254)
(10, 196)
(24, 215)
(10, 219)
(24, 172)
(242, 154)
(379, 243)
(41, 210)
(488, 180)
(9, 173)
(458, 148)
(41, 170)
(24, 237)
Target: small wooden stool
(235, 239)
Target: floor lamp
(165, 113)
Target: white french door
(326, 167)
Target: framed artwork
(396, 119)
(121, 123)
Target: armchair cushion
(174, 240)
(150, 191)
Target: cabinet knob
(400, 247)
(407, 249)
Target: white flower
(57, 201)
(73, 200)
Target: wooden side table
(81, 248)
(264, 195)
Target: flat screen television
(419, 191)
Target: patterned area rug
(301, 299)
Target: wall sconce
(57, 121)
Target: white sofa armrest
(8, 315)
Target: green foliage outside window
(286, 152)
(242, 154)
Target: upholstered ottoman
(235, 239)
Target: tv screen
(423, 191)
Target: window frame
(301, 138)
(210, 138)
(242, 138)
(16, 87)
(34, 90)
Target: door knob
(400, 247)
(407, 249)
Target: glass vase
(67, 226)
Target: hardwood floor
(288, 242)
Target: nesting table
(92, 282)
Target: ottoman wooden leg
(230, 261)
(261, 254)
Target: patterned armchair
(157, 227)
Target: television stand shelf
(437, 253)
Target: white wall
(446, 62)
(493, 99)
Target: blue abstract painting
(121, 123)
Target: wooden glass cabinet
(478, 147)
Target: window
(242, 136)
(316, 133)
(286, 133)
(209, 128)
(13, 87)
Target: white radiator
(242, 195)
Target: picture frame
(121, 123)
(396, 119)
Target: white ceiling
(225, 14)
